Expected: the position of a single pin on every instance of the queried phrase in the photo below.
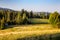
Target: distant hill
(5, 9)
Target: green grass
(39, 21)
(24, 32)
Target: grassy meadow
(30, 32)
(38, 21)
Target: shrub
(58, 24)
(53, 19)
(2, 23)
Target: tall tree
(22, 12)
(31, 14)
(18, 18)
(24, 18)
(1, 19)
(42, 14)
(8, 16)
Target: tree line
(20, 17)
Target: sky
(34, 5)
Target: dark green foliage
(24, 19)
(31, 14)
(13, 18)
(53, 19)
(22, 12)
(2, 23)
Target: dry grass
(27, 30)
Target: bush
(53, 19)
(58, 24)
(1, 24)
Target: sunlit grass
(22, 31)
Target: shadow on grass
(42, 37)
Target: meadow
(38, 21)
(30, 32)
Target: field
(39, 21)
(30, 32)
